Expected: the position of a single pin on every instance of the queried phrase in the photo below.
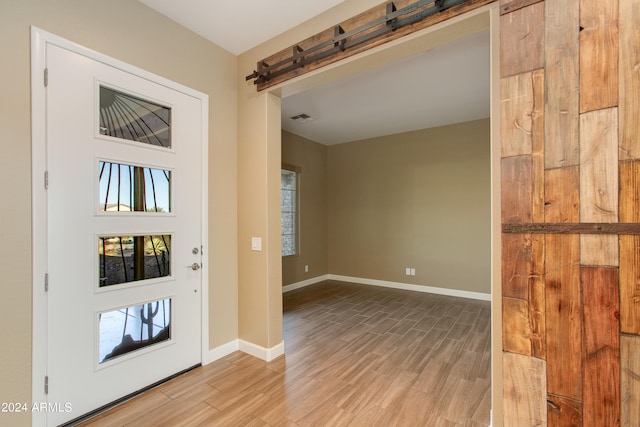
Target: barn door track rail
(343, 39)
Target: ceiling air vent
(302, 118)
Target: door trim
(39, 41)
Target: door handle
(194, 266)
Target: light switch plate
(256, 243)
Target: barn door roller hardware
(343, 40)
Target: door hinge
(46, 282)
(46, 180)
(46, 384)
(46, 77)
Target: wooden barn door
(570, 141)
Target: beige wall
(371, 208)
(131, 32)
(259, 151)
(419, 199)
(311, 158)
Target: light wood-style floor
(356, 355)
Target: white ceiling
(448, 84)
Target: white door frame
(39, 40)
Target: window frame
(296, 232)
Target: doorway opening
(300, 272)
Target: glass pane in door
(135, 119)
(129, 188)
(125, 259)
(133, 328)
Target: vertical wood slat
(562, 195)
(564, 412)
(562, 18)
(537, 298)
(516, 189)
(523, 291)
(629, 93)
(599, 166)
(516, 326)
(524, 390)
(630, 249)
(564, 316)
(537, 146)
(630, 380)
(516, 265)
(516, 114)
(629, 191)
(601, 346)
(562, 292)
(599, 183)
(599, 250)
(522, 40)
(522, 114)
(598, 54)
(630, 284)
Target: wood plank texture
(516, 114)
(599, 183)
(562, 21)
(525, 402)
(629, 69)
(629, 246)
(630, 284)
(564, 316)
(630, 380)
(522, 40)
(537, 147)
(598, 54)
(599, 166)
(589, 185)
(516, 190)
(599, 250)
(516, 326)
(507, 6)
(629, 191)
(562, 195)
(601, 346)
(516, 265)
(595, 228)
(564, 412)
(537, 298)
(351, 360)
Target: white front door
(124, 227)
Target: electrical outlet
(407, 271)
(306, 268)
(413, 271)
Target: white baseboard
(410, 287)
(266, 354)
(220, 352)
(304, 283)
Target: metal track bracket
(344, 40)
